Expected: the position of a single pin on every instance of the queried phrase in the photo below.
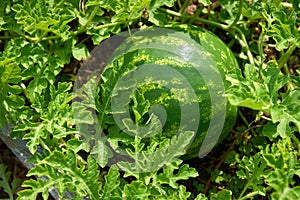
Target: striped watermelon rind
(171, 62)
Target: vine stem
(91, 17)
(36, 40)
(107, 25)
(237, 18)
(252, 194)
(6, 37)
(179, 3)
(243, 42)
(261, 49)
(246, 122)
(184, 6)
(59, 4)
(197, 13)
(177, 14)
(286, 55)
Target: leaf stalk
(237, 18)
(184, 6)
(286, 55)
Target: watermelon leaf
(112, 184)
(168, 176)
(224, 194)
(63, 173)
(286, 114)
(156, 157)
(55, 119)
(4, 181)
(263, 95)
(10, 100)
(40, 17)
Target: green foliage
(127, 11)
(41, 17)
(63, 172)
(156, 157)
(55, 119)
(8, 187)
(9, 95)
(224, 194)
(42, 44)
(263, 94)
(274, 167)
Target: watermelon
(169, 80)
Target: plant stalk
(243, 42)
(247, 123)
(107, 25)
(250, 195)
(184, 6)
(59, 4)
(237, 18)
(5, 37)
(91, 17)
(205, 21)
(286, 55)
(195, 15)
(179, 3)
